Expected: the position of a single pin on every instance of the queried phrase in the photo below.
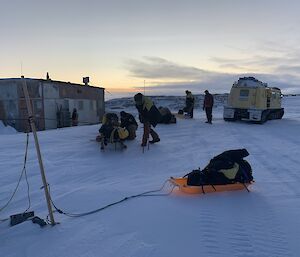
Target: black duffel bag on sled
(227, 168)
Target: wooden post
(37, 146)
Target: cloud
(289, 69)
(256, 62)
(197, 87)
(171, 78)
(159, 68)
(222, 84)
(268, 56)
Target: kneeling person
(129, 122)
(111, 132)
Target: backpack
(123, 133)
(226, 168)
(166, 116)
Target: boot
(155, 137)
(154, 141)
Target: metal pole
(37, 146)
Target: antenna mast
(21, 68)
(38, 151)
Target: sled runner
(182, 185)
(104, 142)
(181, 116)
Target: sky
(157, 46)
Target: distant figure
(148, 115)
(189, 104)
(59, 116)
(74, 117)
(129, 122)
(208, 104)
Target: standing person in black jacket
(148, 115)
(129, 122)
(208, 104)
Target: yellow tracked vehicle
(253, 100)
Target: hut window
(91, 105)
(80, 105)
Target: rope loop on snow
(144, 194)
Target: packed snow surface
(6, 130)
(264, 222)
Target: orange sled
(181, 183)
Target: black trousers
(189, 110)
(148, 130)
(208, 111)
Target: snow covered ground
(264, 222)
(6, 130)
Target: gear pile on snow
(227, 168)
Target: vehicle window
(244, 93)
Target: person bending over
(149, 115)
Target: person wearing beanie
(149, 115)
